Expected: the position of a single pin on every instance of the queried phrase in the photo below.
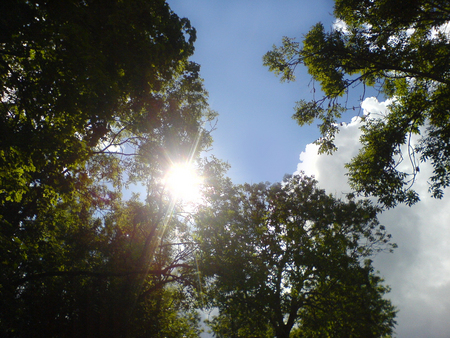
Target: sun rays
(183, 182)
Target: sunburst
(184, 183)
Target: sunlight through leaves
(184, 183)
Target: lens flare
(184, 183)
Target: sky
(256, 135)
(255, 132)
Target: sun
(183, 182)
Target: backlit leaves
(402, 54)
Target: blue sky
(257, 136)
(255, 132)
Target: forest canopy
(100, 101)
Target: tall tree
(78, 76)
(288, 258)
(400, 48)
(95, 95)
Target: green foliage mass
(95, 95)
(404, 54)
(100, 95)
(288, 260)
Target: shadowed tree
(95, 95)
(288, 258)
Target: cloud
(443, 29)
(419, 270)
(340, 26)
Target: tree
(95, 95)
(288, 258)
(123, 275)
(79, 77)
(404, 54)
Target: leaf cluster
(404, 56)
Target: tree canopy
(289, 260)
(79, 77)
(95, 95)
(98, 96)
(404, 54)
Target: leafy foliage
(403, 54)
(288, 258)
(95, 95)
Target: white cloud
(444, 29)
(371, 106)
(419, 270)
(341, 26)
